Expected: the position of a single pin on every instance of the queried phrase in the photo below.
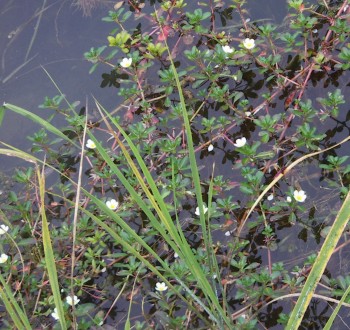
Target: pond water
(58, 45)
(57, 42)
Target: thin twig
(7, 78)
(36, 28)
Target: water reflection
(61, 38)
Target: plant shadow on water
(259, 97)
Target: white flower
(240, 142)
(249, 43)
(112, 204)
(270, 197)
(3, 229)
(227, 49)
(228, 233)
(126, 62)
(54, 314)
(210, 148)
(197, 210)
(72, 302)
(299, 195)
(176, 255)
(161, 287)
(248, 113)
(3, 258)
(289, 199)
(90, 144)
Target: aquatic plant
(157, 218)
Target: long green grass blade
(190, 147)
(2, 113)
(9, 309)
(17, 315)
(319, 265)
(336, 310)
(18, 154)
(42, 122)
(49, 256)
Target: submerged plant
(87, 6)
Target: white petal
(161, 287)
(126, 62)
(227, 49)
(90, 144)
(3, 258)
(249, 43)
(3, 229)
(240, 142)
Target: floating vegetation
(214, 195)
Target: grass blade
(17, 153)
(336, 310)
(320, 265)
(49, 256)
(17, 315)
(2, 113)
(37, 119)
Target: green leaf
(84, 309)
(2, 114)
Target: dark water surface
(63, 35)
